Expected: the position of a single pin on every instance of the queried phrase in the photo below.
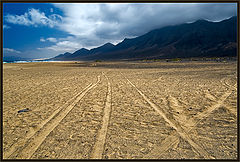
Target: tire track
(209, 96)
(32, 132)
(174, 103)
(173, 139)
(197, 119)
(175, 125)
(213, 107)
(224, 81)
(158, 79)
(219, 103)
(49, 125)
(101, 138)
(167, 143)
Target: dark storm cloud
(96, 24)
(136, 19)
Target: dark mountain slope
(105, 48)
(83, 52)
(62, 56)
(199, 39)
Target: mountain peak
(104, 48)
(196, 39)
(126, 39)
(67, 53)
(201, 21)
(83, 49)
(108, 44)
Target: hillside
(198, 39)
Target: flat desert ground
(120, 110)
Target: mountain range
(201, 38)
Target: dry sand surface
(120, 110)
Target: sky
(44, 30)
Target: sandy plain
(120, 110)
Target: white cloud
(95, 24)
(63, 46)
(111, 19)
(9, 50)
(6, 27)
(71, 44)
(52, 39)
(42, 40)
(34, 18)
(48, 39)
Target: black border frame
(125, 1)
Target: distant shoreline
(204, 59)
(30, 61)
